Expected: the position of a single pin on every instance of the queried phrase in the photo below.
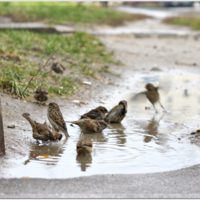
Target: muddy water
(144, 142)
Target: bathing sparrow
(117, 114)
(90, 125)
(42, 131)
(97, 113)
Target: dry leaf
(82, 102)
(44, 156)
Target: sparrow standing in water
(90, 125)
(56, 119)
(151, 94)
(57, 67)
(117, 114)
(84, 146)
(54, 134)
(42, 131)
(97, 113)
(41, 94)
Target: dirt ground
(135, 54)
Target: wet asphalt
(182, 183)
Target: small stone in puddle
(147, 108)
(193, 133)
(11, 126)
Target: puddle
(145, 141)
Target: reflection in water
(52, 149)
(152, 128)
(96, 137)
(84, 160)
(118, 131)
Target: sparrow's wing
(93, 127)
(113, 109)
(139, 97)
(57, 117)
(93, 114)
(43, 130)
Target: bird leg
(161, 105)
(155, 108)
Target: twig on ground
(37, 73)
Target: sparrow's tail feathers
(26, 116)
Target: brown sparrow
(117, 114)
(54, 134)
(90, 125)
(97, 113)
(57, 67)
(41, 94)
(56, 119)
(151, 94)
(84, 146)
(42, 131)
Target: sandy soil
(136, 54)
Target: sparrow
(84, 146)
(151, 94)
(54, 134)
(90, 125)
(42, 131)
(117, 114)
(41, 94)
(97, 113)
(57, 67)
(56, 119)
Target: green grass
(16, 70)
(67, 13)
(192, 21)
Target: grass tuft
(65, 13)
(192, 21)
(79, 50)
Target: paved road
(157, 13)
(175, 184)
